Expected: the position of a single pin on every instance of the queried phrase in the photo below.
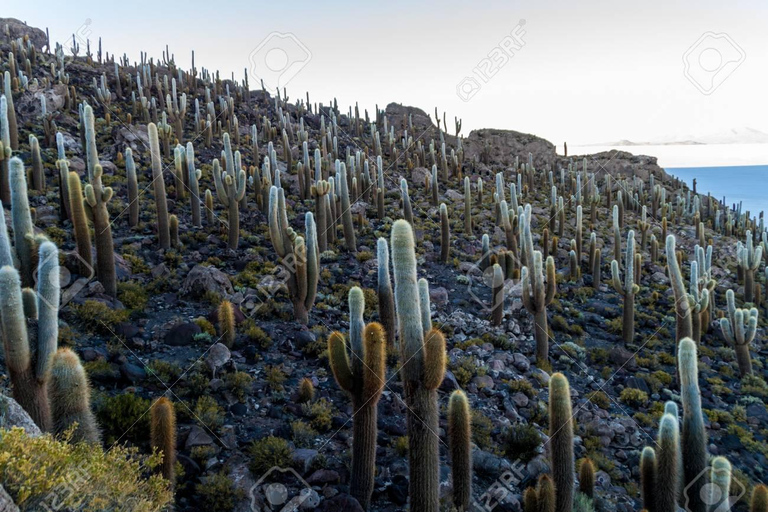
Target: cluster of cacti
(163, 227)
(749, 258)
(739, 328)
(537, 295)
(363, 377)
(230, 189)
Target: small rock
(182, 334)
(133, 373)
(202, 279)
(12, 415)
(218, 356)
(323, 476)
(303, 458)
(342, 503)
(197, 437)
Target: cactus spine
(739, 329)
(28, 365)
(694, 438)
(422, 372)
(163, 435)
(536, 297)
(561, 441)
(628, 289)
(226, 317)
(363, 378)
(163, 228)
(70, 396)
(460, 440)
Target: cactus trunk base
(423, 450)
(364, 433)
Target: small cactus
(70, 397)
(497, 295)
(648, 476)
(460, 440)
(720, 484)
(628, 289)
(759, 500)
(587, 478)
(561, 441)
(306, 391)
(226, 316)
(739, 329)
(163, 435)
(536, 296)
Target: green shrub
(256, 334)
(205, 326)
(320, 413)
(633, 397)
(218, 492)
(132, 295)
(97, 317)
(123, 417)
(168, 373)
(209, 413)
(401, 446)
(267, 453)
(600, 399)
(40, 471)
(239, 383)
(303, 434)
(521, 441)
(275, 378)
(481, 430)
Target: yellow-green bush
(123, 417)
(77, 476)
(96, 316)
(267, 453)
(218, 492)
(633, 397)
(133, 295)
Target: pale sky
(586, 72)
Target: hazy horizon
(585, 74)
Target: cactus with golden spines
(227, 329)
(561, 442)
(460, 444)
(739, 328)
(320, 191)
(648, 476)
(362, 376)
(173, 222)
(162, 428)
(536, 297)
(300, 258)
(587, 478)
(38, 174)
(70, 397)
(161, 201)
(28, 354)
(759, 500)
(209, 215)
(80, 227)
(422, 372)
(627, 289)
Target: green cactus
(13, 130)
(667, 476)
(23, 230)
(230, 189)
(749, 257)
(698, 299)
(38, 174)
(346, 208)
(530, 500)
(468, 206)
(720, 484)
(70, 396)
(424, 305)
(363, 378)
(739, 329)
(684, 327)
(759, 500)
(27, 355)
(579, 231)
(628, 289)
(5, 152)
(536, 297)
(133, 189)
(694, 438)
(162, 429)
(320, 191)
(384, 291)
(422, 372)
(616, 234)
(226, 317)
(173, 222)
(497, 295)
(546, 494)
(299, 259)
(644, 226)
(561, 441)
(161, 201)
(194, 176)
(445, 234)
(96, 198)
(209, 217)
(460, 441)
(648, 477)
(89, 131)
(80, 224)
(587, 478)
(406, 198)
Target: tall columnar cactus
(759, 500)
(445, 234)
(226, 317)
(667, 475)
(627, 289)
(648, 476)
(406, 198)
(162, 429)
(7, 256)
(616, 234)
(384, 291)
(161, 201)
(320, 191)
(23, 229)
(194, 185)
(587, 478)
(422, 372)
(425, 306)
(497, 295)
(346, 209)
(694, 438)
(536, 297)
(5, 151)
(96, 198)
(579, 231)
(133, 189)
(13, 130)
(38, 174)
(561, 441)
(299, 258)
(80, 225)
(70, 396)
(720, 484)
(698, 299)
(89, 131)
(468, 206)
(209, 217)
(684, 327)
(27, 355)
(460, 441)
(739, 329)
(230, 189)
(363, 378)
(749, 258)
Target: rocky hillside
(212, 237)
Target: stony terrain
(161, 335)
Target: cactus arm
(48, 292)
(434, 359)
(424, 305)
(339, 359)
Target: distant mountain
(744, 135)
